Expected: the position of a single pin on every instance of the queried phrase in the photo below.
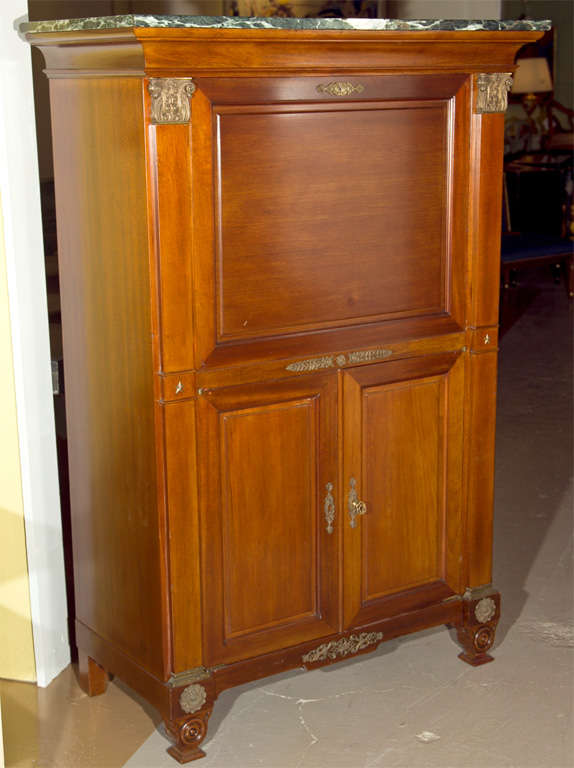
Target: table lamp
(532, 77)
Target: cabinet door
(402, 476)
(338, 238)
(268, 459)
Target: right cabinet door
(403, 485)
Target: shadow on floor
(534, 432)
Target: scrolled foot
(480, 615)
(190, 708)
(187, 734)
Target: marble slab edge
(277, 22)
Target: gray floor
(412, 702)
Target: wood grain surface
(266, 454)
(289, 291)
(119, 565)
(403, 425)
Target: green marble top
(278, 22)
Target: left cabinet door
(268, 490)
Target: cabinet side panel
(486, 214)
(104, 277)
(173, 201)
(181, 476)
(481, 426)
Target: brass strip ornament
(190, 676)
(315, 364)
(192, 698)
(356, 506)
(332, 361)
(475, 593)
(170, 99)
(492, 92)
(329, 508)
(368, 356)
(339, 88)
(343, 647)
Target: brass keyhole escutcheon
(329, 508)
(356, 506)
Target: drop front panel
(330, 214)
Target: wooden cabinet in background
(279, 279)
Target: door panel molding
(415, 448)
(269, 564)
(242, 317)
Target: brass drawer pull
(356, 506)
(329, 508)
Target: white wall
(16, 639)
(20, 196)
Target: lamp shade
(532, 76)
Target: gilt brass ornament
(170, 99)
(329, 508)
(343, 647)
(194, 675)
(330, 361)
(492, 92)
(356, 506)
(192, 698)
(315, 364)
(339, 88)
(485, 610)
(368, 355)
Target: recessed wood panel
(269, 515)
(402, 444)
(330, 215)
(403, 432)
(267, 453)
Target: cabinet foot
(480, 615)
(187, 733)
(92, 678)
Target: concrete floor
(412, 702)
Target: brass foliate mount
(329, 508)
(338, 361)
(340, 88)
(345, 646)
(485, 610)
(492, 92)
(192, 698)
(170, 99)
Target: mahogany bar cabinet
(279, 265)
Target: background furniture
(539, 187)
(533, 83)
(280, 393)
(538, 220)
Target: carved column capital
(170, 99)
(492, 92)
